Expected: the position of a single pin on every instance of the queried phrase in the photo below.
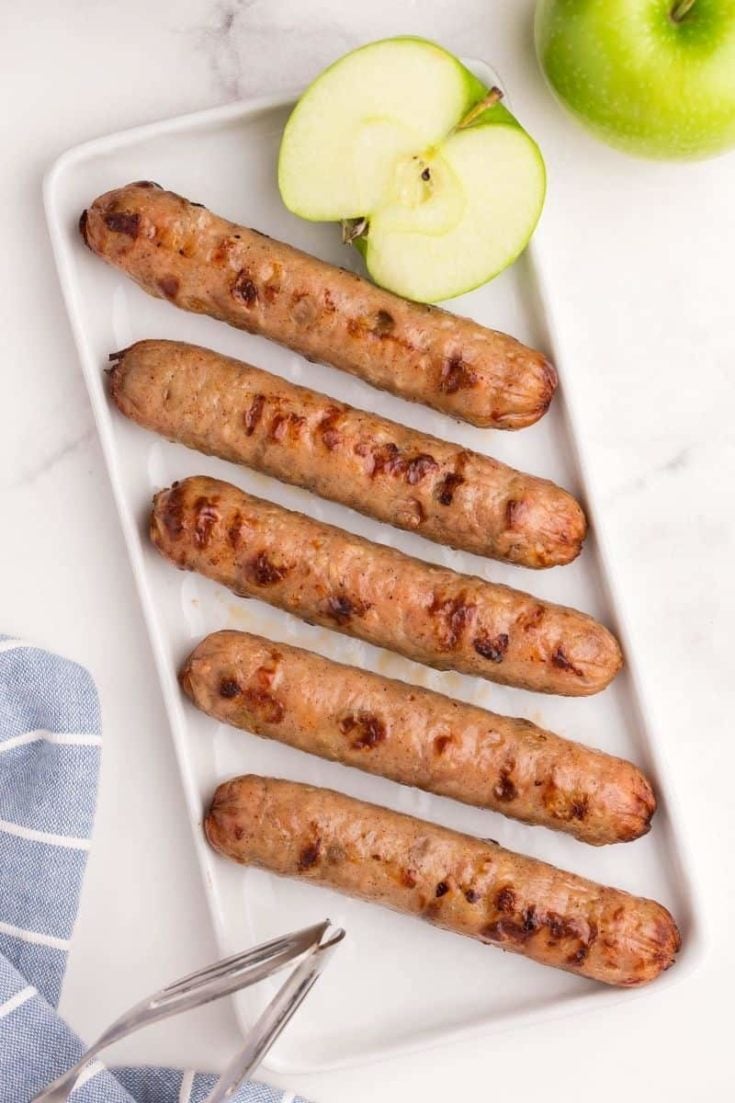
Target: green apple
(655, 77)
(433, 179)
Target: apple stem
(680, 9)
(493, 96)
(353, 228)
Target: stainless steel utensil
(275, 1017)
(212, 983)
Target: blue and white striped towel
(49, 760)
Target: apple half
(434, 180)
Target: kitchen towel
(50, 748)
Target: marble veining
(636, 483)
(42, 465)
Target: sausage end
(83, 221)
(543, 381)
(637, 822)
(662, 942)
(544, 525)
(592, 665)
(223, 822)
(116, 375)
(186, 678)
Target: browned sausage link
(457, 882)
(181, 252)
(409, 479)
(341, 581)
(417, 737)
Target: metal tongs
(315, 944)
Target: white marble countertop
(642, 256)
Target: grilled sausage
(177, 250)
(417, 737)
(409, 479)
(457, 882)
(341, 581)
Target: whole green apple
(654, 77)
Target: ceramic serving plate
(396, 983)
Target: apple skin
(642, 80)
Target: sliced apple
(440, 186)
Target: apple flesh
(653, 78)
(436, 182)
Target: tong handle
(214, 981)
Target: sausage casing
(417, 737)
(179, 251)
(458, 882)
(409, 479)
(333, 578)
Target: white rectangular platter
(395, 984)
